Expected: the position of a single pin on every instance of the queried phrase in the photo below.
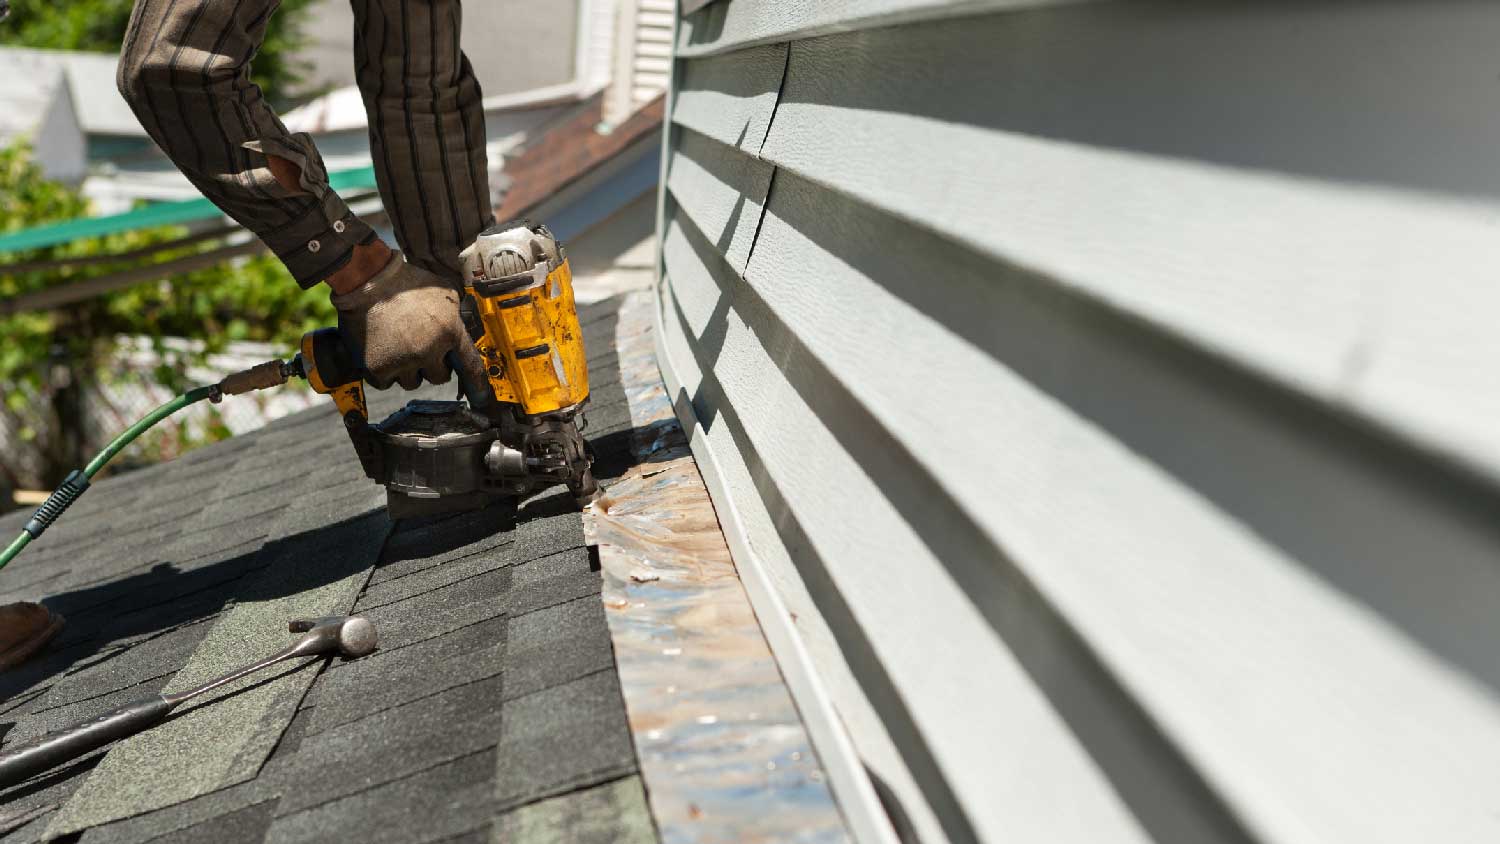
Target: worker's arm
(184, 69)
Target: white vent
(643, 56)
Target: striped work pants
(185, 70)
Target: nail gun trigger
(468, 311)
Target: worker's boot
(24, 628)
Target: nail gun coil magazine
(434, 450)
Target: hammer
(345, 635)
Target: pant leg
(426, 127)
(185, 71)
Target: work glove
(403, 324)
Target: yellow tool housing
(441, 456)
(532, 344)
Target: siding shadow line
(1174, 802)
(1403, 531)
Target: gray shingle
(393, 744)
(556, 645)
(12, 819)
(157, 657)
(538, 593)
(571, 562)
(386, 680)
(441, 611)
(92, 610)
(20, 703)
(562, 738)
(477, 562)
(247, 824)
(44, 793)
(223, 738)
(449, 531)
(398, 566)
(611, 813)
(546, 524)
(41, 720)
(431, 805)
(291, 739)
(198, 812)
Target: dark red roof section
(568, 151)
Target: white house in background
(81, 129)
(534, 63)
(86, 134)
(642, 57)
(66, 104)
(514, 46)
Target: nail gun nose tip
(357, 637)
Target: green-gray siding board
(1108, 390)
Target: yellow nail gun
(441, 456)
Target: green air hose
(78, 480)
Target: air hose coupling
(262, 376)
(74, 485)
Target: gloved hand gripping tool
(518, 432)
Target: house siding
(1107, 391)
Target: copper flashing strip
(850, 781)
(723, 751)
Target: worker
(185, 71)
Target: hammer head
(348, 636)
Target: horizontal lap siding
(1131, 441)
(724, 26)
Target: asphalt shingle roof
(492, 708)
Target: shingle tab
(612, 813)
(432, 578)
(561, 738)
(200, 812)
(385, 680)
(555, 645)
(441, 611)
(394, 744)
(433, 804)
(247, 824)
(157, 657)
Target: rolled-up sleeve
(185, 71)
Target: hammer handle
(53, 749)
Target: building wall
(59, 144)
(642, 56)
(1108, 389)
(513, 45)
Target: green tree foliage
(49, 359)
(99, 26)
(246, 299)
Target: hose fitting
(74, 485)
(262, 376)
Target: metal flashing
(846, 772)
(722, 747)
